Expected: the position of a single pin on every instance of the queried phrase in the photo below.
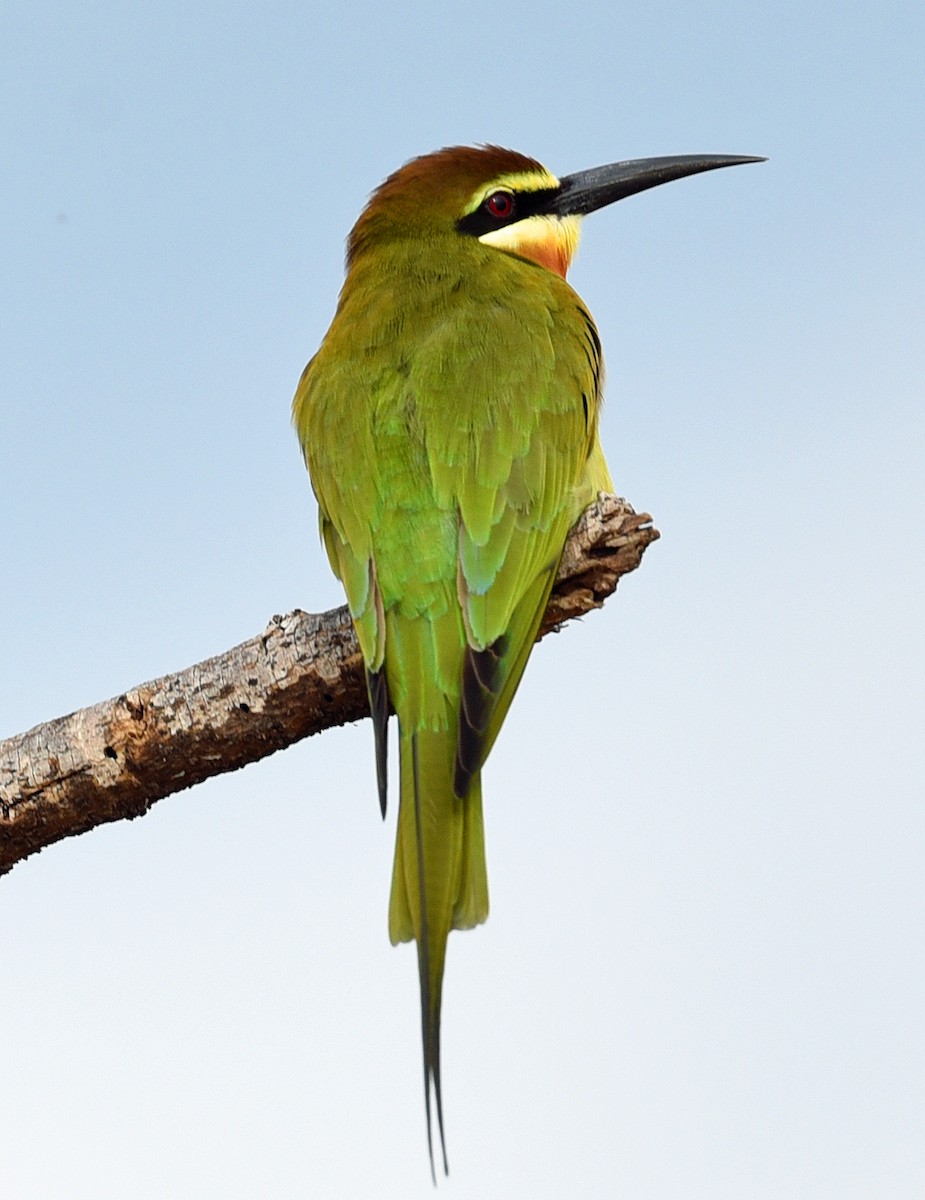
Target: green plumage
(449, 423)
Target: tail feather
(439, 883)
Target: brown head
(506, 200)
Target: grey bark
(304, 673)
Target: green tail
(439, 881)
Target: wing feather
(453, 506)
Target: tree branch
(303, 674)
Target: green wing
(518, 461)
(448, 475)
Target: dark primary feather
(481, 680)
(380, 707)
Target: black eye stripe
(525, 204)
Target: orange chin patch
(549, 241)
(550, 254)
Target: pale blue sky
(702, 976)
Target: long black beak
(586, 191)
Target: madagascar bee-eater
(449, 422)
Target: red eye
(500, 205)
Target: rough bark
(301, 675)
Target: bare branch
(301, 675)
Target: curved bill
(586, 191)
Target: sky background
(703, 974)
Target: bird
(449, 424)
